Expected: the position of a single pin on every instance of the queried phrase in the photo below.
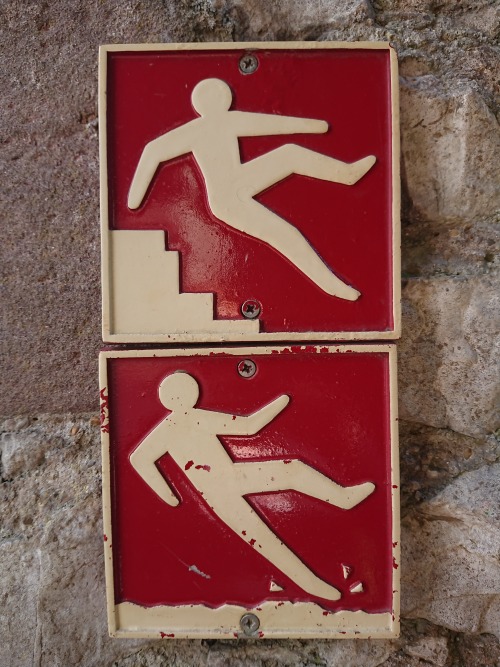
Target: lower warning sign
(251, 492)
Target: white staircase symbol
(144, 291)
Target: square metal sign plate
(251, 492)
(250, 192)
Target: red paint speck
(105, 538)
(164, 634)
(234, 417)
(343, 632)
(325, 613)
(252, 542)
(243, 532)
(204, 467)
(394, 544)
(287, 461)
(394, 486)
(394, 564)
(235, 634)
(280, 604)
(188, 465)
(261, 634)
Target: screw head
(248, 63)
(247, 368)
(249, 623)
(251, 309)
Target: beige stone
(451, 543)
(449, 353)
(450, 141)
(263, 18)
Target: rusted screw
(248, 63)
(247, 368)
(249, 623)
(251, 309)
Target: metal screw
(251, 309)
(249, 623)
(247, 368)
(248, 64)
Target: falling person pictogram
(232, 185)
(189, 435)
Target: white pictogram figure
(231, 184)
(189, 435)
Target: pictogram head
(211, 95)
(179, 390)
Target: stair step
(144, 290)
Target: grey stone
(431, 458)
(431, 649)
(20, 454)
(477, 650)
(286, 21)
(452, 544)
(273, 653)
(19, 586)
(449, 143)
(431, 250)
(52, 590)
(449, 360)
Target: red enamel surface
(349, 226)
(337, 421)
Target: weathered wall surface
(51, 588)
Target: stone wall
(52, 609)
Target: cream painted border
(107, 334)
(213, 623)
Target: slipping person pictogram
(232, 185)
(189, 435)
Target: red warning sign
(250, 194)
(251, 491)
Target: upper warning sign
(249, 192)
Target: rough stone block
(450, 141)
(430, 649)
(449, 363)
(452, 543)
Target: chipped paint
(274, 587)
(356, 588)
(193, 568)
(346, 570)
(211, 627)
(104, 411)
